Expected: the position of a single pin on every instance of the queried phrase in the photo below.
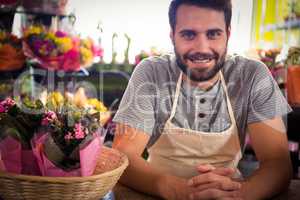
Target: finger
(212, 185)
(207, 178)
(229, 185)
(205, 168)
(213, 194)
(220, 171)
(226, 185)
(224, 171)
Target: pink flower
(97, 50)
(60, 34)
(7, 104)
(69, 136)
(79, 133)
(71, 61)
(2, 109)
(49, 117)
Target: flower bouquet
(55, 100)
(68, 143)
(57, 50)
(12, 62)
(75, 136)
(81, 100)
(53, 50)
(18, 124)
(270, 59)
(88, 51)
(144, 54)
(65, 141)
(11, 54)
(269, 56)
(66, 149)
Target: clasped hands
(214, 183)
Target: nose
(202, 44)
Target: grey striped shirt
(148, 99)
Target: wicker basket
(110, 167)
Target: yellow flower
(33, 30)
(55, 100)
(87, 43)
(96, 104)
(64, 44)
(43, 51)
(51, 36)
(86, 55)
(3, 35)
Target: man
(192, 110)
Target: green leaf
(20, 132)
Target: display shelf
(289, 24)
(30, 12)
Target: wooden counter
(124, 193)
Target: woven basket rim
(124, 164)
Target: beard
(200, 75)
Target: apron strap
(229, 106)
(174, 106)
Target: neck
(205, 85)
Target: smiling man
(192, 110)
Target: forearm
(271, 178)
(141, 176)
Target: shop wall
(270, 29)
(146, 22)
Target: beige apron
(178, 151)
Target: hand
(224, 171)
(178, 189)
(214, 183)
(175, 188)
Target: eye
(213, 34)
(188, 35)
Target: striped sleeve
(266, 99)
(138, 102)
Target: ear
(228, 32)
(172, 36)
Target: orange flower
(10, 58)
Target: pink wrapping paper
(11, 154)
(2, 167)
(88, 158)
(29, 163)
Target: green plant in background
(269, 56)
(294, 7)
(293, 57)
(113, 51)
(5, 89)
(126, 53)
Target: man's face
(200, 41)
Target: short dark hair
(219, 5)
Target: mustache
(198, 56)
